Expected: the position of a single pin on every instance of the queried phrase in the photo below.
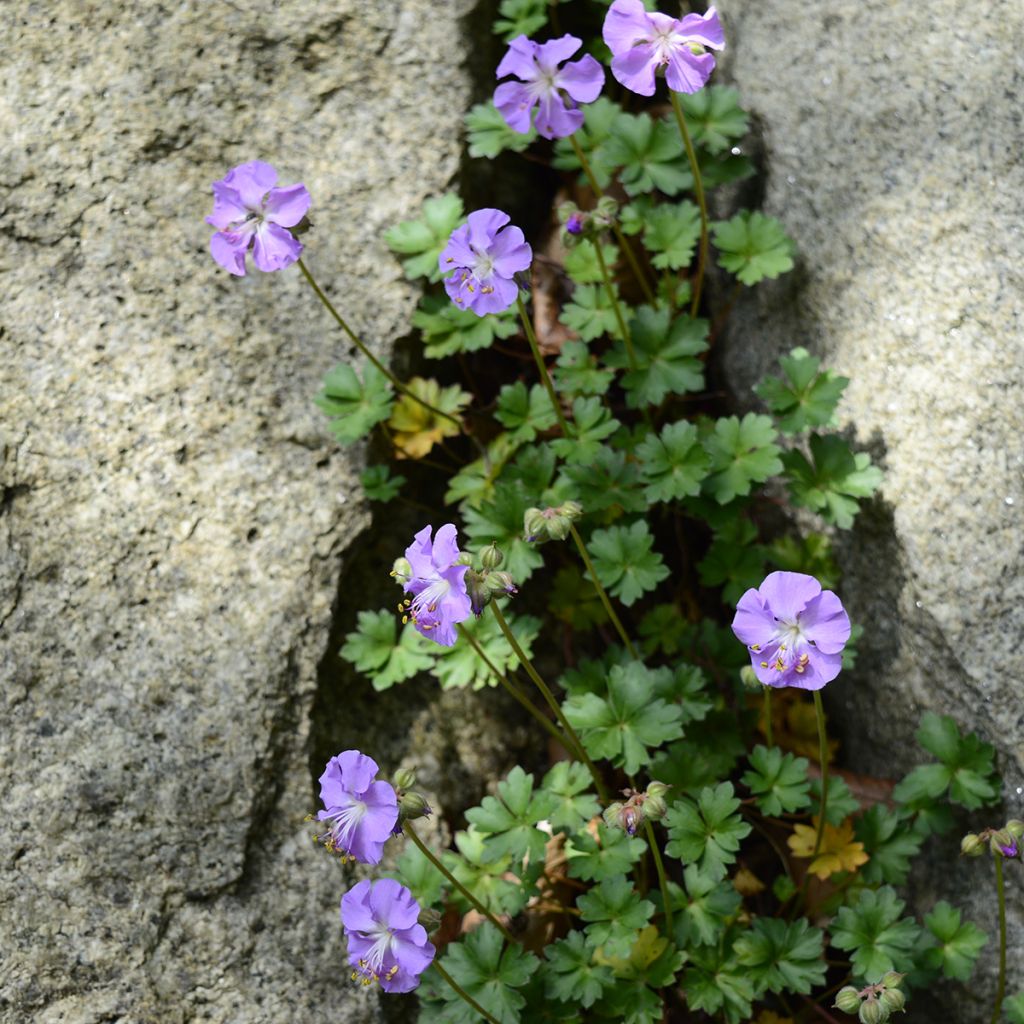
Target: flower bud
(465, 558)
(655, 805)
(611, 815)
(572, 510)
(404, 778)
(499, 583)
(544, 524)
(872, 1012)
(1003, 843)
(1015, 827)
(430, 919)
(412, 806)
(892, 979)
(476, 588)
(575, 224)
(847, 1000)
(749, 680)
(401, 570)
(533, 524)
(972, 845)
(606, 212)
(892, 1000)
(491, 557)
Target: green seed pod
(893, 1000)
(655, 805)
(498, 583)
(534, 525)
(848, 999)
(1002, 841)
(892, 979)
(611, 815)
(572, 510)
(413, 806)
(1015, 827)
(404, 778)
(972, 845)
(872, 1012)
(491, 557)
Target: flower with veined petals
(249, 210)
(794, 630)
(361, 812)
(642, 42)
(438, 584)
(555, 91)
(483, 257)
(386, 942)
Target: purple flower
(554, 91)
(386, 942)
(575, 224)
(1009, 849)
(795, 631)
(361, 811)
(438, 585)
(642, 42)
(248, 209)
(485, 256)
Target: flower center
(425, 603)
(372, 964)
(483, 268)
(786, 649)
(343, 823)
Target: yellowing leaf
(648, 947)
(746, 883)
(838, 850)
(415, 428)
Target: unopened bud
(572, 510)
(491, 557)
(430, 919)
(476, 588)
(465, 558)
(534, 524)
(655, 805)
(848, 1000)
(749, 680)
(972, 845)
(872, 1012)
(402, 570)
(404, 778)
(412, 806)
(893, 1000)
(541, 524)
(606, 212)
(1015, 827)
(1003, 843)
(574, 225)
(892, 979)
(611, 815)
(498, 583)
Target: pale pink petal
(514, 103)
(228, 207)
(583, 79)
(556, 120)
(483, 225)
(625, 23)
(275, 248)
(287, 206)
(252, 181)
(229, 248)
(635, 69)
(688, 71)
(704, 28)
(520, 60)
(552, 53)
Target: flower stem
(768, 716)
(550, 698)
(602, 593)
(698, 189)
(357, 341)
(515, 691)
(613, 299)
(627, 249)
(465, 995)
(823, 757)
(531, 337)
(659, 866)
(1001, 987)
(429, 854)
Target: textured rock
(172, 510)
(892, 135)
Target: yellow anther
(798, 669)
(764, 664)
(755, 647)
(405, 619)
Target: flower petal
(252, 181)
(275, 248)
(457, 252)
(786, 594)
(446, 548)
(583, 79)
(515, 104)
(510, 253)
(287, 206)
(754, 622)
(227, 206)
(704, 28)
(357, 770)
(418, 554)
(555, 119)
(821, 668)
(381, 811)
(688, 71)
(502, 294)
(228, 249)
(625, 23)
(484, 225)
(356, 914)
(635, 69)
(520, 60)
(824, 620)
(393, 904)
(553, 52)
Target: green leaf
(952, 946)
(599, 124)
(379, 484)
(574, 600)
(355, 407)
(671, 233)
(743, 452)
(612, 853)
(421, 241)
(707, 831)
(967, 767)
(474, 483)
(878, 938)
(666, 355)
(663, 629)
(753, 247)
(614, 914)
(715, 118)
(500, 522)
(610, 480)
(520, 18)
(419, 876)
(460, 666)
(1014, 1009)
(578, 372)
(569, 783)
(890, 845)
(733, 561)
(810, 554)
(648, 154)
(717, 984)
(581, 262)
(488, 880)
(375, 650)
(805, 397)
(832, 482)
(448, 329)
(592, 424)
(782, 956)
(778, 781)
(590, 313)
(709, 906)
(489, 134)
(624, 561)
(841, 802)
(624, 726)
(526, 412)
(489, 973)
(570, 973)
(510, 818)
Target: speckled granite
(893, 137)
(171, 508)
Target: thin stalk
(429, 854)
(515, 691)
(627, 249)
(615, 620)
(823, 757)
(698, 189)
(1001, 987)
(531, 337)
(659, 866)
(357, 341)
(768, 716)
(614, 300)
(465, 995)
(550, 698)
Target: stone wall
(892, 135)
(173, 511)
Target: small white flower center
(431, 596)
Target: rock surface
(892, 136)
(172, 510)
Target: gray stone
(892, 136)
(173, 510)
